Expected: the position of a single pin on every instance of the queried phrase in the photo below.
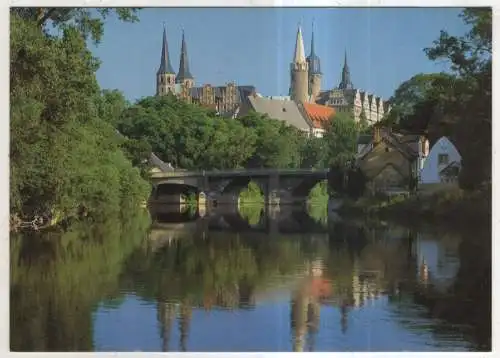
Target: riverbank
(451, 207)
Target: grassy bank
(453, 207)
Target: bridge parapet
(238, 172)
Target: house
(443, 163)
(307, 117)
(391, 160)
(318, 117)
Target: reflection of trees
(468, 301)
(214, 271)
(318, 211)
(56, 278)
(251, 213)
(362, 264)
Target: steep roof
(184, 72)
(283, 110)
(313, 59)
(299, 54)
(165, 64)
(318, 114)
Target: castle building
(305, 86)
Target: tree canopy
(456, 104)
(65, 156)
(192, 137)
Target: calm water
(250, 281)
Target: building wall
(379, 157)
(299, 82)
(388, 178)
(432, 165)
(355, 102)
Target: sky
(254, 46)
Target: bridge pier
(272, 195)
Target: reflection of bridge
(287, 219)
(279, 186)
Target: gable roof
(318, 114)
(283, 110)
(407, 144)
(389, 164)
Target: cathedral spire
(165, 64)
(312, 41)
(346, 83)
(299, 56)
(184, 72)
(313, 59)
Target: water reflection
(255, 280)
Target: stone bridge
(279, 186)
(171, 224)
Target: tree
(63, 156)
(89, 22)
(340, 137)
(187, 135)
(363, 121)
(356, 182)
(314, 153)
(457, 105)
(277, 146)
(470, 57)
(110, 106)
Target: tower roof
(165, 64)
(313, 59)
(184, 72)
(299, 56)
(346, 83)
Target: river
(284, 280)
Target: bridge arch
(236, 185)
(173, 189)
(306, 185)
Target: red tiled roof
(318, 114)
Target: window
(443, 159)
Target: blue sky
(254, 46)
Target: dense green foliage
(65, 157)
(192, 137)
(457, 105)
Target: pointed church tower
(346, 83)
(299, 71)
(184, 76)
(165, 76)
(314, 74)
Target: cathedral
(225, 100)
(305, 86)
